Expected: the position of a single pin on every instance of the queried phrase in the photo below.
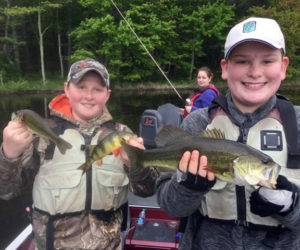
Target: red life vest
(198, 93)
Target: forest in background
(40, 39)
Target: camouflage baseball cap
(80, 68)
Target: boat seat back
(171, 114)
(152, 121)
(150, 124)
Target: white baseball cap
(257, 29)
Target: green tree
(11, 41)
(204, 31)
(107, 37)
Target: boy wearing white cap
(74, 209)
(221, 215)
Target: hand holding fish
(197, 177)
(16, 138)
(190, 162)
(266, 202)
(137, 142)
(188, 108)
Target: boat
(24, 241)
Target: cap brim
(82, 74)
(250, 40)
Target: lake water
(126, 107)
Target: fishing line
(152, 58)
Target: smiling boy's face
(88, 97)
(254, 72)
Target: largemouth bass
(40, 127)
(109, 142)
(230, 161)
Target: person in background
(203, 96)
(72, 209)
(223, 215)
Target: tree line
(42, 38)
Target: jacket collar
(247, 120)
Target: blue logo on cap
(249, 27)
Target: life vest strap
(256, 227)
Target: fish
(229, 160)
(41, 127)
(109, 142)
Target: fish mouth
(254, 85)
(17, 116)
(271, 177)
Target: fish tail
(63, 145)
(135, 155)
(84, 167)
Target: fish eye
(266, 160)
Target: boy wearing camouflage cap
(221, 215)
(72, 210)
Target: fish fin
(169, 135)
(99, 162)
(135, 155)
(84, 167)
(63, 145)
(91, 149)
(105, 132)
(116, 152)
(46, 140)
(213, 134)
(208, 168)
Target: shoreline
(139, 88)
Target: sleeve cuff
(3, 157)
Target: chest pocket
(256, 139)
(110, 184)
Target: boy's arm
(15, 155)
(142, 181)
(12, 175)
(181, 194)
(176, 199)
(291, 220)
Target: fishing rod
(149, 54)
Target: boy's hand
(16, 138)
(188, 108)
(134, 141)
(196, 176)
(266, 202)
